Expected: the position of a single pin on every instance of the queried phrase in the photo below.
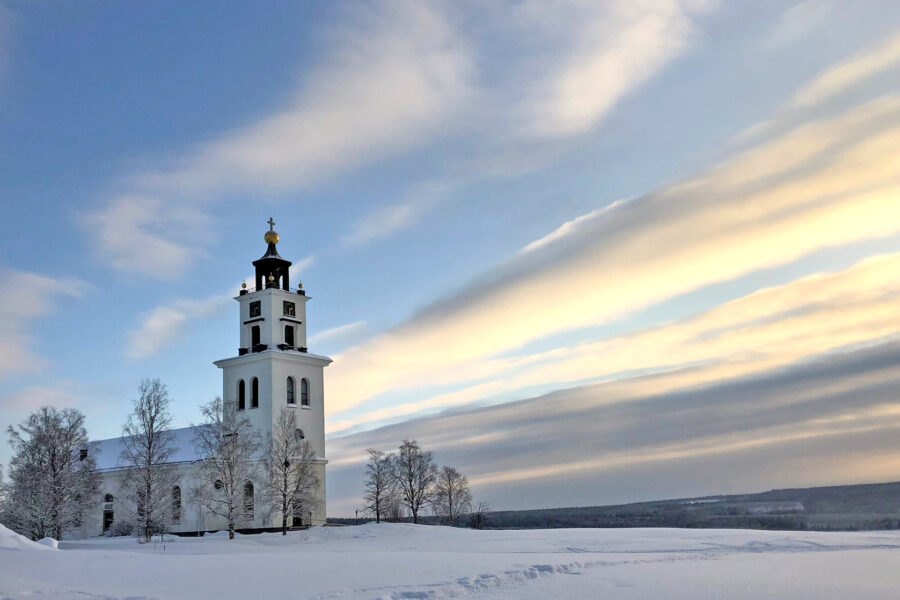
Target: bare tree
(393, 511)
(452, 497)
(379, 483)
(52, 474)
(414, 473)
(230, 448)
(148, 446)
(478, 518)
(293, 477)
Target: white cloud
(395, 74)
(144, 236)
(299, 267)
(768, 329)
(164, 325)
(846, 75)
(613, 49)
(798, 21)
(828, 85)
(836, 417)
(33, 397)
(392, 77)
(27, 297)
(388, 219)
(337, 333)
(382, 222)
(567, 228)
(818, 186)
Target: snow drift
(10, 540)
(402, 562)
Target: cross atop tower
(271, 223)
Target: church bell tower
(273, 370)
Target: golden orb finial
(271, 277)
(244, 285)
(271, 236)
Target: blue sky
(613, 201)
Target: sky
(586, 252)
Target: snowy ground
(413, 562)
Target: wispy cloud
(33, 397)
(27, 297)
(383, 222)
(881, 57)
(850, 73)
(395, 74)
(164, 325)
(141, 235)
(816, 187)
(826, 421)
(399, 76)
(798, 21)
(167, 323)
(339, 332)
(769, 329)
(613, 48)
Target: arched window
(290, 391)
(108, 514)
(254, 336)
(248, 500)
(176, 505)
(304, 392)
(242, 395)
(254, 393)
(289, 335)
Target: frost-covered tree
(52, 479)
(478, 518)
(148, 446)
(452, 497)
(414, 472)
(379, 483)
(230, 449)
(292, 478)
(393, 511)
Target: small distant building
(272, 372)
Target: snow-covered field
(409, 561)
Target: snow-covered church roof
(108, 453)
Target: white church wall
(312, 417)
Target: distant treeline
(837, 508)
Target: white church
(272, 372)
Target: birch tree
(230, 449)
(148, 446)
(293, 478)
(452, 497)
(379, 483)
(52, 474)
(414, 472)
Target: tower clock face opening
(290, 309)
(255, 308)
